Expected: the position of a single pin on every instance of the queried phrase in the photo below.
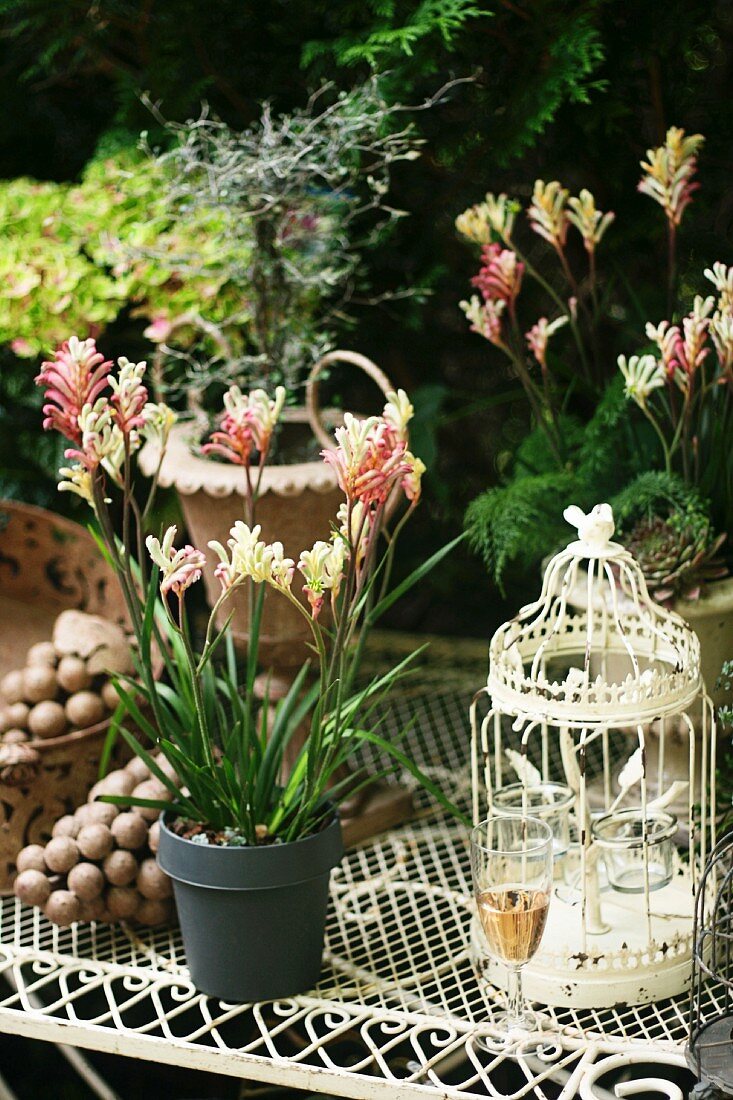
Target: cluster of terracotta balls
(65, 683)
(100, 861)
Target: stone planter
(711, 617)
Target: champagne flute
(511, 863)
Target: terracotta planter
(297, 505)
(47, 564)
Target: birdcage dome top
(595, 648)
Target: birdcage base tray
(618, 967)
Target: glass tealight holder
(550, 802)
(619, 835)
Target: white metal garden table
(399, 1008)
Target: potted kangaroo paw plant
(248, 842)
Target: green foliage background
(568, 89)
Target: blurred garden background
(100, 235)
(494, 200)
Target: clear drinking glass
(550, 802)
(620, 836)
(511, 864)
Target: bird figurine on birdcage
(569, 683)
(710, 1046)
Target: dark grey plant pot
(252, 919)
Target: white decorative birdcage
(570, 687)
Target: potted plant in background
(248, 844)
(301, 196)
(667, 473)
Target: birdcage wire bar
(710, 1048)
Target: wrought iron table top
(399, 1007)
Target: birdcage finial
(594, 529)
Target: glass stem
(514, 997)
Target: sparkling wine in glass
(511, 863)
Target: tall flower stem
(671, 266)
(562, 306)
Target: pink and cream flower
(75, 377)
(590, 222)
(129, 395)
(76, 479)
(500, 278)
(486, 319)
(642, 375)
(322, 568)
(248, 423)
(367, 460)
(722, 279)
(353, 526)
(721, 333)
(102, 443)
(495, 215)
(180, 568)
(684, 350)
(538, 336)
(412, 480)
(668, 172)
(249, 556)
(398, 412)
(547, 212)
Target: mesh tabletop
(399, 1006)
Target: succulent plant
(677, 554)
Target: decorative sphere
(84, 709)
(39, 683)
(63, 907)
(130, 830)
(31, 856)
(117, 782)
(152, 882)
(94, 909)
(18, 715)
(120, 867)
(66, 826)
(94, 840)
(110, 698)
(86, 881)
(42, 653)
(72, 674)
(122, 902)
(138, 770)
(47, 719)
(154, 836)
(61, 853)
(151, 788)
(11, 686)
(154, 912)
(101, 813)
(32, 887)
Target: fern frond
(656, 493)
(522, 521)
